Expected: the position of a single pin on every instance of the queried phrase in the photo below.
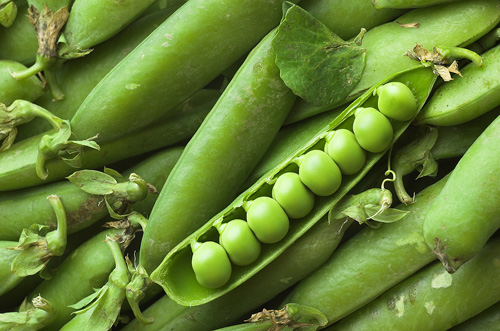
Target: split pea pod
(449, 25)
(78, 77)
(433, 299)
(176, 275)
(300, 259)
(237, 130)
(456, 103)
(18, 170)
(369, 263)
(468, 201)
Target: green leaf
(93, 181)
(314, 63)
(390, 215)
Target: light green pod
(467, 97)
(27, 89)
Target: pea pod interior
(175, 274)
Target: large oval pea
(295, 198)
(211, 264)
(372, 129)
(343, 148)
(319, 173)
(396, 101)
(267, 220)
(240, 243)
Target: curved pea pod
(29, 89)
(468, 201)
(355, 274)
(432, 299)
(175, 274)
(301, 258)
(19, 162)
(432, 144)
(457, 103)
(78, 77)
(21, 209)
(487, 320)
(450, 25)
(220, 156)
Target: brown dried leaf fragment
(48, 26)
(434, 58)
(279, 318)
(414, 25)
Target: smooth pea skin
(396, 101)
(295, 198)
(343, 148)
(267, 220)
(320, 173)
(211, 265)
(372, 129)
(239, 242)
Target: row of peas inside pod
(293, 194)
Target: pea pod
(478, 210)
(387, 43)
(18, 171)
(487, 320)
(238, 129)
(432, 299)
(408, 3)
(308, 252)
(12, 90)
(78, 77)
(22, 209)
(456, 103)
(175, 274)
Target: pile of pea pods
(249, 165)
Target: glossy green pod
(175, 274)
(455, 24)
(369, 263)
(379, 4)
(457, 103)
(221, 154)
(432, 299)
(18, 163)
(471, 195)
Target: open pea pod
(176, 275)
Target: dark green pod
(468, 201)
(432, 299)
(175, 274)
(487, 320)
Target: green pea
(239, 242)
(396, 101)
(320, 173)
(211, 264)
(343, 148)
(267, 220)
(295, 198)
(372, 129)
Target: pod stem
(452, 53)
(57, 239)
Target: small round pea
(343, 148)
(295, 198)
(239, 241)
(373, 131)
(267, 220)
(319, 173)
(211, 264)
(396, 101)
